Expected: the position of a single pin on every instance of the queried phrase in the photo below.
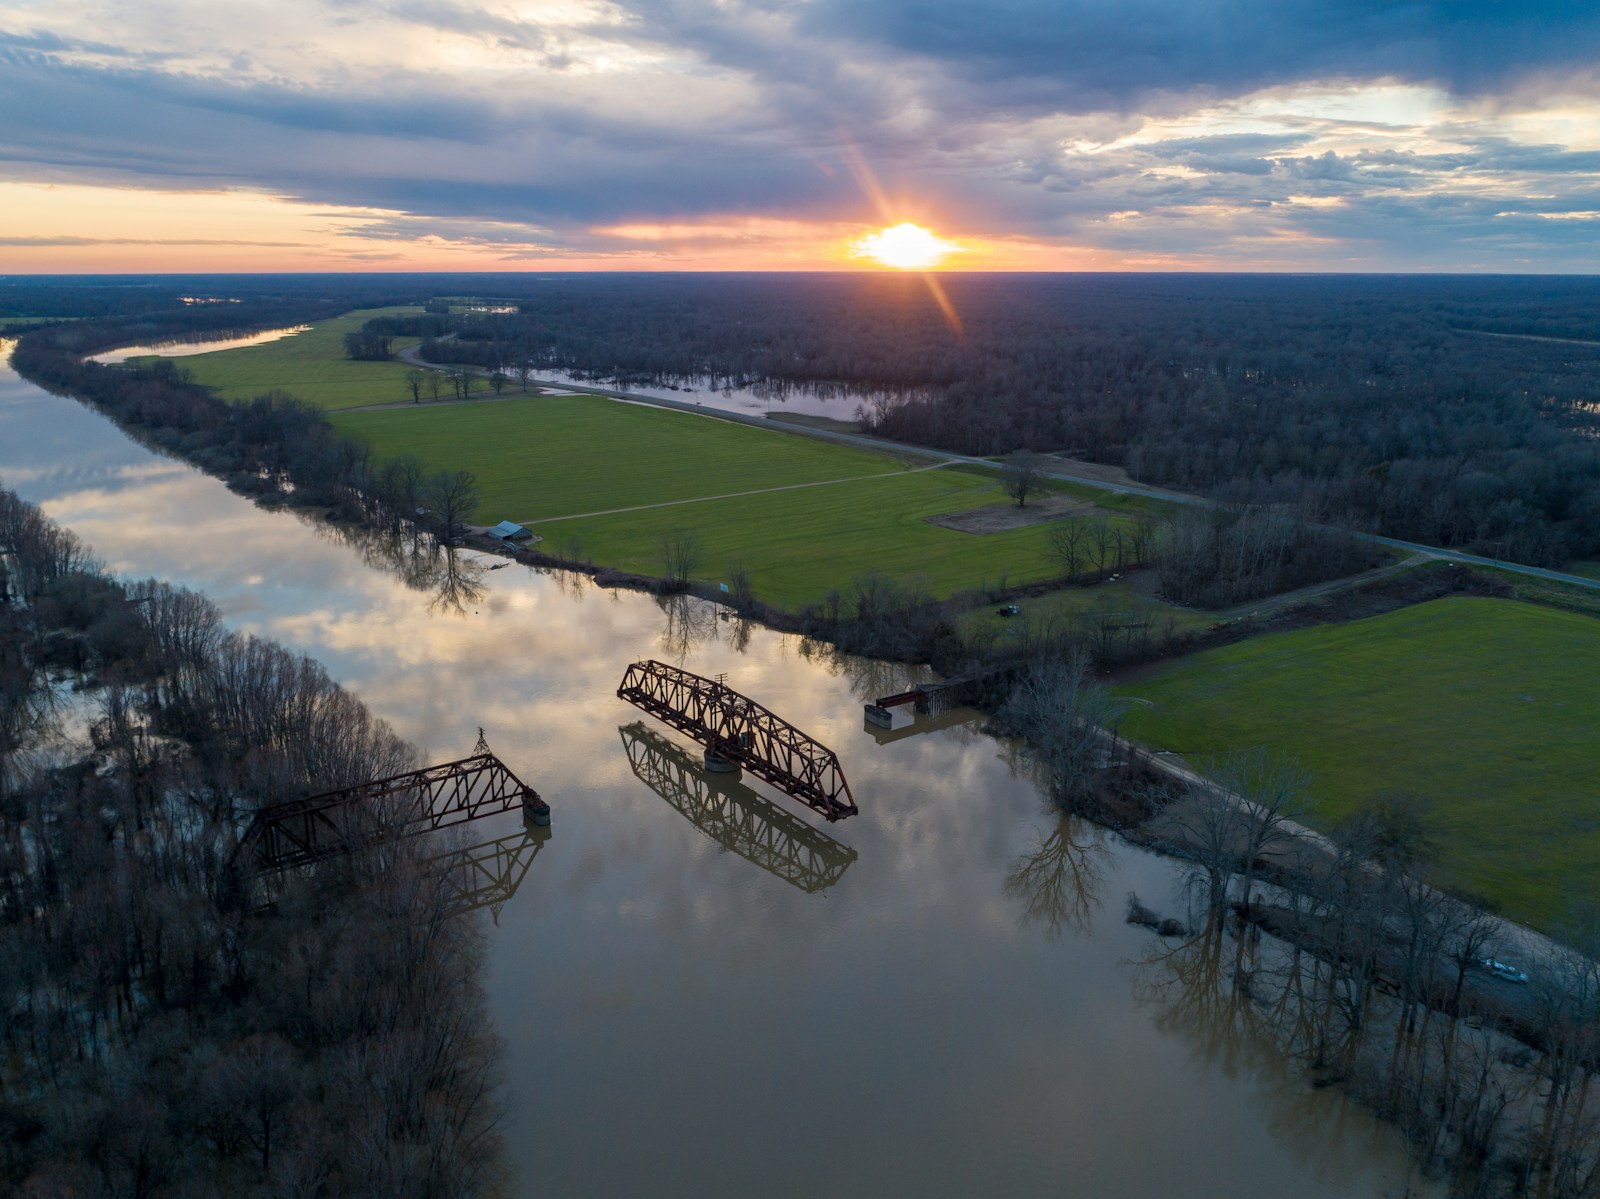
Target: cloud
(75, 241)
(482, 127)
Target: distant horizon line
(8, 276)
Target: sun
(906, 246)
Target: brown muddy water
(703, 988)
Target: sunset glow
(905, 246)
(601, 135)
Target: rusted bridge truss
(303, 831)
(739, 730)
(734, 816)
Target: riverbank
(660, 991)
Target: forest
(1455, 411)
(161, 1033)
(1433, 409)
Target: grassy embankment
(310, 365)
(1486, 706)
(557, 463)
(538, 458)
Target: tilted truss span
(736, 817)
(303, 831)
(739, 730)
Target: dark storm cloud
(1113, 53)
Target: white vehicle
(1500, 970)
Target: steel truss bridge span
(739, 730)
(302, 831)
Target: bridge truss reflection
(734, 816)
(488, 874)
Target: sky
(1257, 135)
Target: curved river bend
(704, 990)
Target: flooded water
(703, 988)
(835, 402)
(183, 349)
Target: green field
(1489, 707)
(310, 365)
(565, 456)
(1128, 598)
(25, 322)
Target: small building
(507, 531)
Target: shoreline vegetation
(160, 1032)
(1368, 952)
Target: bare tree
(414, 381)
(435, 384)
(1063, 715)
(451, 496)
(680, 555)
(1020, 476)
(1273, 790)
(1100, 537)
(1068, 541)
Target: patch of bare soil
(997, 518)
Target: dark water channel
(703, 989)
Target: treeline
(1214, 557)
(1383, 403)
(276, 446)
(158, 1035)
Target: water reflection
(931, 721)
(454, 580)
(487, 875)
(766, 397)
(183, 349)
(734, 816)
(1058, 883)
(1240, 1002)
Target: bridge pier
(535, 811)
(718, 764)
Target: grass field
(310, 365)
(1489, 707)
(1131, 597)
(564, 456)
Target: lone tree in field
(414, 382)
(1020, 476)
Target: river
(938, 997)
